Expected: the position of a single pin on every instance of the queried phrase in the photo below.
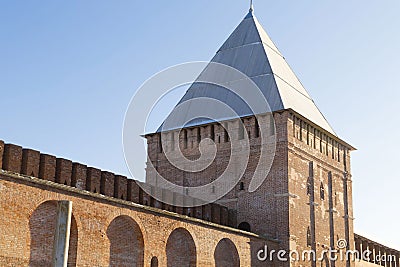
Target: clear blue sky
(69, 68)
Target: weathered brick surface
(144, 197)
(226, 254)
(126, 242)
(207, 212)
(30, 162)
(106, 231)
(198, 212)
(181, 249)
(93, 180)
(79, 175)
(133, 193)
(63, 171)
(47, 168)
(107, 183)
(224, 215)
(278, 208)
(216, 213)
(12, 158)
(120, 187)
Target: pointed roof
(250, 50)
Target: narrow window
(154, 262)
(185, 138)
(308, 236)
(309, 186)
(327, 146)
(172, 141)
(336, 196)
(160, 148)
(294, 125)
(241, 186)
(322, 191)
(256, 129)
(241, 131)
(226, 135)
(301, 130)
(320, 142)
(315, 139)
(198, 135)
(212, 133)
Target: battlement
(222, 133)
(29, 162)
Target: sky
(68, 70)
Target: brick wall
(30, 162)
(280, 207)
(106, 231)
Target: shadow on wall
(181, 249)
(42, 227)
(226, 254)
(126, 242)
(154, 262)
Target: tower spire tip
(251, 6)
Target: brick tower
(305, 201)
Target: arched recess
(226, 254)
(154, 262)
(42, 227)
(126, 242)
(181, 249)
(73, 243)
(245, 226)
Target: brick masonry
(280, 207)
(112, 213)
(107, 231)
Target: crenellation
(133, 191)
(107, 183)
(215, 213)
(224, 216)
(79, 176)
(207, 212)
(156, 197)
(144, 197)
(64, 171)
(121, 187)
(303, 200)
(47, 168)
(12, 158)
(198, 212)
(178, 201)
(93, 180)
(30, 162)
